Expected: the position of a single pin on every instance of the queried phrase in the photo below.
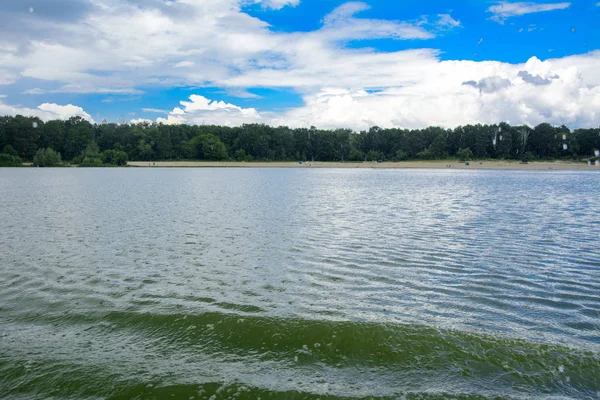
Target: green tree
(7, 160)
(209, 147)
(47, 158)
(464, 154)
(91, 156)
(9, 150)
(115, 157)
(10, 157)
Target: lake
(299, 284)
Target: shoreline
(479, 165)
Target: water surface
(299, 283)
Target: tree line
(81, 142)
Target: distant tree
(209, 147)
(47, 158)
(464, 154)
(78, 134)
(7, 160)
(10, 158)
(91, 156)
(22, 133)
(9, 150)
(523, 135)
(114, 157)
(400, 156)
(240, 155)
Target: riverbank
(493, 164)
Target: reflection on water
(245, 283)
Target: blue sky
(327, 63)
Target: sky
(301, 63)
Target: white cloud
(119, 47)
(184, 64)
(202, 111)
(141, 121)
(35, 91)
(505, 9)
(6, 77)
(340, 24)
(429, 92)
(155, 110)
(242, 93)
(46, 111)
(446, 20)
(278, 4)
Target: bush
(355, 155)
(529, 156)
(426, 155)
(464, 154)
(115, 157)
(90, 157)
(209, 147)
(8, 149)
(47, 158)
(401, 156)
(374, 156)
(240, 155)
(91, 162)
(8, 160)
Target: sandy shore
(556, 165)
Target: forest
(78, 141)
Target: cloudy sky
(326, 63)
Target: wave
(257, 356)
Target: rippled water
(296, 283)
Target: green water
(246, 284)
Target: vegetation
(47, 158)
(10, 158)
(88, 144)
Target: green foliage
(91, 156)
(240, 155)
(115, 157)
(400, 156)
(78, 140)
(355, 155)
(464, 154)
(529, 156)
(9, 150)
(209, 147)
(8, 160)
(47, 158)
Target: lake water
(299, 284)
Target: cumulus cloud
(141, 121)
(117, 47)
(490, 84)
(202, 111)
(567, 92)
(122, 47)
(45, 111)
(505, 10)
(536, 79)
